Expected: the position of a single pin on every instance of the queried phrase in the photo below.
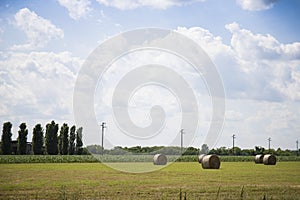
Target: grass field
(234, 180)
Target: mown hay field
(234, 180)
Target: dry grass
(96, 181)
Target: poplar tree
(22, 139)
(79, 143)
(6, 138)
(64, 133)
(72, 140)
(38, 140)
(51, 142)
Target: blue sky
(255, 46)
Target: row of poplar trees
(68, 142)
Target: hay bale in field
(200, 157)
(159, 159)
(211, 162)
(258, 159)
(269, 159)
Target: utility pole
(103, 126)
(181, 141)
(297, 142)
(269, 139)
(233, 137)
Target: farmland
(6, 159)
(234, 180)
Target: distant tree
(79, 143)
(135, 150)
(167, 150)
(38, 140)
(115, 151)
(191, 151)
(248, 152)
(269, 151)
(259, 150)
(94, 149)
(286, 152)
(213, 151)
(64, 133)
(51, 138)
(6, 138)
(85, 151)
(236, 151)
(72, 140)
(60, 143)
(204, 149)
(22, 139)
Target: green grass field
(234, 180)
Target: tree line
(67, 142)
(175, 150)
(251, 152)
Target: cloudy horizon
(254, 45)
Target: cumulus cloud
(269, 63)
(77, 8)
(250, 46)
(233, 115)
(39, 31)
(261, 77)
(253, 66)
(260, 120)
(37, 84)
(259, 72)
(255, 5)
(133, 4)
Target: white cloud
(133, 4)
(39, 31)
(269, 64)
(233, 115)
(261, 77)
(253, 47)
(1, 32)
(255, 5)
(253, 66)
(260, 120)
(37, 85)
(77, 8)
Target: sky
(254, 45)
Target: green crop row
(47, 159)
(120, 158)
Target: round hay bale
(258, 159)
(269, 159)
(200, 157)
(159, 159)
(211, 162)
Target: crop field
(5, 159)
(180, 180)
